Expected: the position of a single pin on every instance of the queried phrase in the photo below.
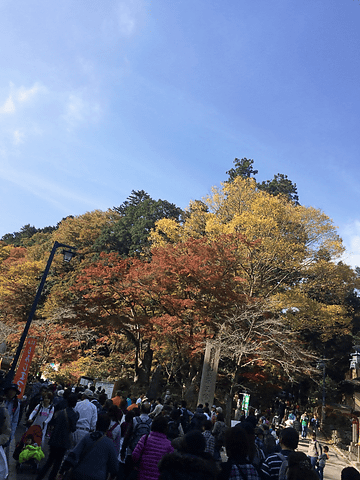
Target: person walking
(94, 457)
(315, 424)
(87, 416)
(238, 465)
(5, 432)
(12, 406)
(151, 448)
(219, 434)
(189, 461)
(288, 439)
(64, 424)
(299, 467)
(209, 437)
(158, 408)
(42, 414)
(322, 461)
(304, 420)
(314, 450)
(114, 432)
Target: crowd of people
(89, 436)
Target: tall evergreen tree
(279, 185)
(129, 235)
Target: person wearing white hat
(87, 416)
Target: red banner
(24, 366)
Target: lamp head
(68, 255)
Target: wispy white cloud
(19, 114)
(24, 94)
(18, 137)
(18, 96)
(8, 106)
(351, 237)
(42, 187)
(79, 110)
(129, 14)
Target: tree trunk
(192, 385)
(230, 396)
(153, 391)
(144, 371)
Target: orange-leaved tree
(171, 301)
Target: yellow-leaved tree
(284, 253)
(287, 237)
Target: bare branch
(255, 335)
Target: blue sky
(101, 98)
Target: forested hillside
(247, 266)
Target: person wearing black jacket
(94, 457)
(64, 424)
(190, 461)
(237, 445)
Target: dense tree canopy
(281, 257)
(22, 238)
(246, 266)
(138, 215)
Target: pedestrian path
(337, 460)
(13, 475)
(334, 465)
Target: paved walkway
(13, 475)
(337, 459)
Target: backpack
(283, 467)
(318, 448)
(97, 405)
(184, 419)
(269, 443)
(109, 434)
(110, 430)
(2, 418)
(141, 428)
(173, 430)
(220, 437)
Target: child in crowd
(31, 454)
(321, 462)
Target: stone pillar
(209, 373)
(355, 430)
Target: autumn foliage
(240, 267)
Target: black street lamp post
(68, 254)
